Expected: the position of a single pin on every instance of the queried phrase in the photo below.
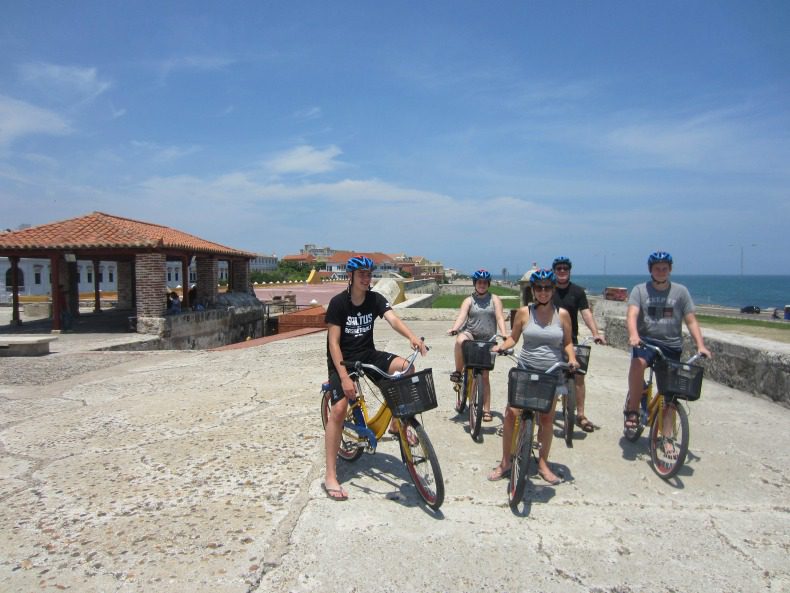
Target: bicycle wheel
(669, 442)
(633, 434)
(422, 463)
(476, 406)
(460, 395)
(519, 467)
(349, 451)
(569, 411)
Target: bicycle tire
(422, 463)
(677, 438)
(519, 466)
(569, 411)
(348, 451)
(476, 406)
(460, 397)
(633, 434)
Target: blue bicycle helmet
(658, 256)
(542, 274)
(359, 262)
(560, 261)
(481, 275)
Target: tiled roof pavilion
(103, 232)
(142, 246)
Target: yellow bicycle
(478, 359)
(404, 396)
(664, 412)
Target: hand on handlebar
(419, 344)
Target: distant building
(263, 263)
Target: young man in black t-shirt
(572, 297)
(350, 318)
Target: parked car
(750, 309)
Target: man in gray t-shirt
(656, 312)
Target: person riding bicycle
(656, 312)
(350, 317)
(479, 318)
(547, 340)
(572, 297)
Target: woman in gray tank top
(546, 331)
(479, 318)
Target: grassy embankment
(769, 330)
(510, 298)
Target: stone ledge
(746, 363)
(25, 345)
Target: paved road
(201, 471)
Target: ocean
(766, 292)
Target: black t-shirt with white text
(356, 323)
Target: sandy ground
(201, 471)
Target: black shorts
(380, 359)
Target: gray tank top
(542, 346)
(481, 321)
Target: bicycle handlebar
(358, 365)
(661, 354)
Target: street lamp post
(742, 246)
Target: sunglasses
(543, 288)
(562, 269)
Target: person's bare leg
(545, 437)
(332, 436)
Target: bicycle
(664, 411)
(405, 395)
(583, 351)
(532, 392)
(471, 391)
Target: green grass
(510, 298)
(729, 322)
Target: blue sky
(481, 134)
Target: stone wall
(237, 317)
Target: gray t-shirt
(481, 320)
(661, 312)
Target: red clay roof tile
(99, 230)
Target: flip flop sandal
(487, 417)
(631, 421)
(335, 493)
(584, 423)
(498, 474)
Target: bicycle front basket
(410, 395)
(679, 379)
(531, 390)
(478, 355)
(583, 357)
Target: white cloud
(158, 152)
(194, 63)
(18, 119)
(68, 83)
(308, 113)
(304, 160)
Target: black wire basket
(531, 390)
(410, 395)
(583, 357)
(478, 355)
(679, 379)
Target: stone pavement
(201, 471)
